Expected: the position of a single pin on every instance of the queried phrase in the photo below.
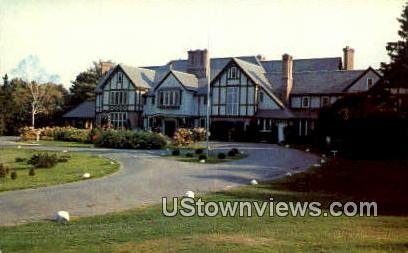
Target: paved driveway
(146, 177)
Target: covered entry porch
(168, 124)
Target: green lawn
(147, 230)
(59, 144)
(63, 172)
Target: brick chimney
(105, 67)
(197, 62)
(348, 58)
(287, 77)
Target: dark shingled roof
(324, 81)
(314, 82)
(85, 110)
(275, 113)
(300, 65)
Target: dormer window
(369, 83)
(305, 102)
(233, 73)
(325, 101)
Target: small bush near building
(221, 156)
(132, 140)
(43, 160)
(235, 150)
(185, 136)
(56, 133)
(202, 157)
(175, 152)
(31, 172)
(3, 171)
(13, 175)
(199, 151)
(231, 153)
(189, 154)
(20, 160)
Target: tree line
(29, 103)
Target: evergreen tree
(396, 72)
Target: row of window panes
(118, 119)
(118, 98)
(170, 98)
(232, 101)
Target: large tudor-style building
(249, 96)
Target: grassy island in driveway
(72, 169)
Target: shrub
(43, 160)
(63, 159)
(185, 136)
(13, 175)
(221, 156)
(130, 139)
(175, 152)
(235, 150)
(202, 157)
(199, 151)
(3, 170)
(56, 133)
(231, 153)
(20, 159)
(31, 172)
(28, 134)
(71, 134)
(189, 154)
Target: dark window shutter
(181, 98)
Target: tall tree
(396, 72)
(83, 88)
(38, 95)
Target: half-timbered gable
(120, 95)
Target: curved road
(146, 177)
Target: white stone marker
(202, 161)
(189, 194)
(253, 182)
(86, 176)
(62, 217)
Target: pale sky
(64, 37)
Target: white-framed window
(118, 119)
(325, 101)
(118, 98)
(305, 102)
(370, 83)
(170, 98)
(232, 101)
(233, 73)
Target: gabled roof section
(188, 81)
(257, 74)
(321, 82)
(85, 110)
(139, 77)
(301, 65)
(362, 74)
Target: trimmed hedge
(56, 133)
(131, 140)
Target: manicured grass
(59, 144)
(147, 230)
(63, 172)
